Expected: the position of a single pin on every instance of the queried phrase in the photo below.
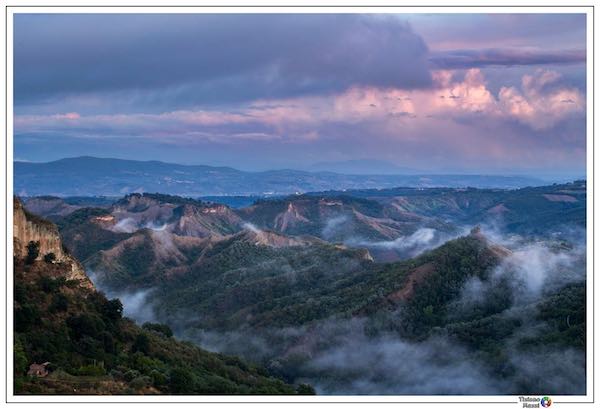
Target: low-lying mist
(409, 246)
(137, 305)
(337, 357)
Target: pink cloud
(69, 115)
(540, 103)
(32, 120)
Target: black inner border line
(289, 6)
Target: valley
(297, 284)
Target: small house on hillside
(38, 370)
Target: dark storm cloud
(207, 58)
(456, 59)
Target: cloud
(568, 366)
(460, 121)
(258, 121)
(502, 31)
(332, 225)
(392, 366)
(542, 100)
(137, 304)
(411, 245)
(68, 116)
(192, 59)
(423, 237)
(457, 59)
(126, 225)
(341, 357)
(252, 228)
(338, 358)
(531, 271)
(156, 227)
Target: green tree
(181, 381)
(60, 302)
(51, 285)
(161, 328)
(108, 342)
(85, 325)
(113, 309)
(33, 251)
(20, 359)
(50, 258)
(305, 389)
(26, 316)
(141, 344)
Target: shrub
(113, 309)
(181, 381)
(140, 382)
(91, 370)
(59, 303)
(305, 389)
(20, 359)
(108, 342)
(51, 285)
(72, 283)
(116, 374)
(20, 293)
(141, 344)
(158, 378)
(90, 347)
(131, 375)
(85, 324)
(25, 317)
(161, 328)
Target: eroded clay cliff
(28, 227)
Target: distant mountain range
(90, 176)
(363, 167)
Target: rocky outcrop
(27, 227)
(180, 216)
(204, 221)
(47, 206)
(271, 239)
(497, 250)
(289, 218)
(30, 228)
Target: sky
(441, 93)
